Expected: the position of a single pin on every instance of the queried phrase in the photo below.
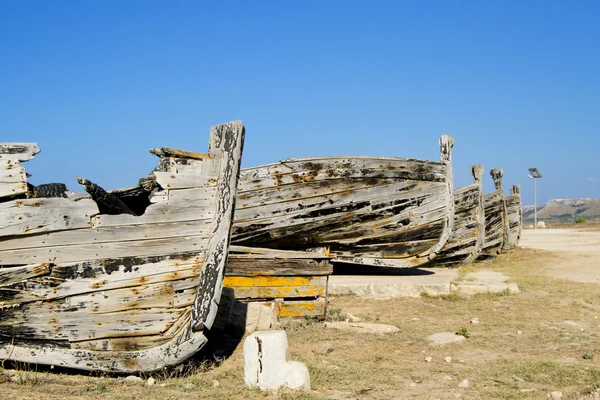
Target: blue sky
(98, 83)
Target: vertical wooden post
(446, 144)
(516, 190)
(497, 174)
(477, 174)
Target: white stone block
(267, 365)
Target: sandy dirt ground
(577, 252)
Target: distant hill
(564, 210)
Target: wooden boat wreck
(514, 215)
(466, 242)
(116, 281)
(377, 211)
(496, 221)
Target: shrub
(579, 220)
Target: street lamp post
(535, 174)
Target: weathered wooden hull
(388, 212)
(515, 218)
(466, 242)
(121, 293)
(495, 217)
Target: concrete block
(260, 317)
(513, 288)
(267, 364)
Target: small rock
(556, 395)
(457, 395)
(352, 318)
(445, 338)
(475, 321)
(150, 381)
(464, 384)
(412, 384)
(216, 383)
(517, 379)
(415, 319)
(447, 378)
(570, 323)
(134, 380)
(429, 359)
(322, 348)
(448, 359)
(189, 386)
(519, 333)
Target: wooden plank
(17, 274)
(281, 267)
(18, 151)
(172, 152)
(273, 281)
(26, 216)
(77, 326)
(107, 250)
(293, 309)
(77, 278)
(171, 180)
(12, 173)
(278, 292)
(336, 166)
(138, 342)
(299, 308)
(110, 234)
(261, 252)
(337, 174)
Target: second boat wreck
(496, 221)
(118, 281)
(468, 235)
(514, 214)
(377, 211)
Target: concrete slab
(405, 283)
(484, 282)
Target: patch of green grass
(464, 332)
(492, 295)
(443, 297)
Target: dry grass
(498, 361)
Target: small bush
(580, 220)
(464, 332)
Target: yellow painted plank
(314, 308)
(273, 281)
(278, 292)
